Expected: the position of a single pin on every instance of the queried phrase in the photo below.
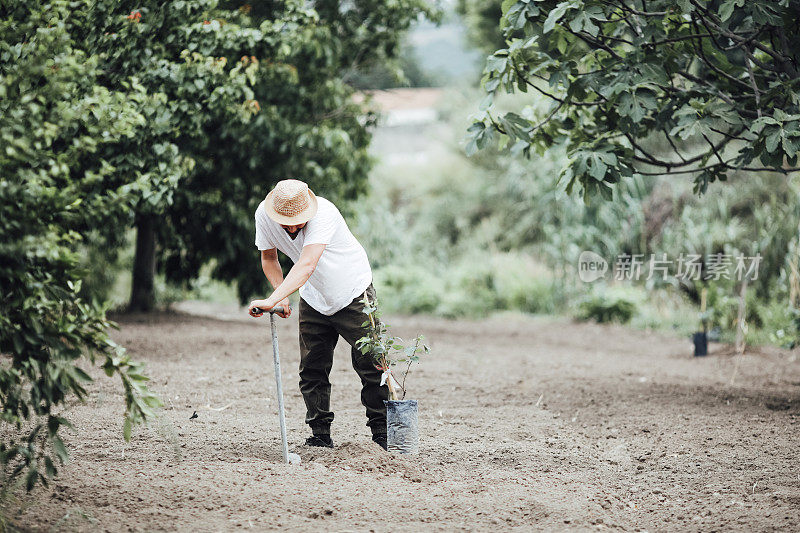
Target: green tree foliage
(177, 52)
(184, 57)
(56, 121)
(309, 127)
(663, 86)
(248, 96)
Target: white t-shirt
(343, 270)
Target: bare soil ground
(527, 424)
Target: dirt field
(526, 424)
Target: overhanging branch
(650, 159)
(714, 23)
(725, 166)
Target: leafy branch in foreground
(387, 350)
(53, 121)
(658, 87)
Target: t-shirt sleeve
(262, 236)
(322, 227)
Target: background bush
(460, 236)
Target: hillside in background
(444, 53)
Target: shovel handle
(271, 311)
(278, 385)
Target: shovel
(288, 458)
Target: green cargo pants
(318, 336)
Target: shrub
(471, 285)
(605, 308)
(782, 324)
(409, 288)
(526, 285)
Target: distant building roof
(406, 98)
(406, 105)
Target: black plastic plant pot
(700, 344)
(402, 426)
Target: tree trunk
(143, 295)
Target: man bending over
(333, 274)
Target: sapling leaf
(49, 467)
(60, 449)
(382, 345)
(126, 429)
(31, 478)
(152, 401)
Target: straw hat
(291, 202)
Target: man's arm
(297, 276)
(271, 267)
(272, 271)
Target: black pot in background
(700, 343)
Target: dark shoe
(322, 441)
(380, 440)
